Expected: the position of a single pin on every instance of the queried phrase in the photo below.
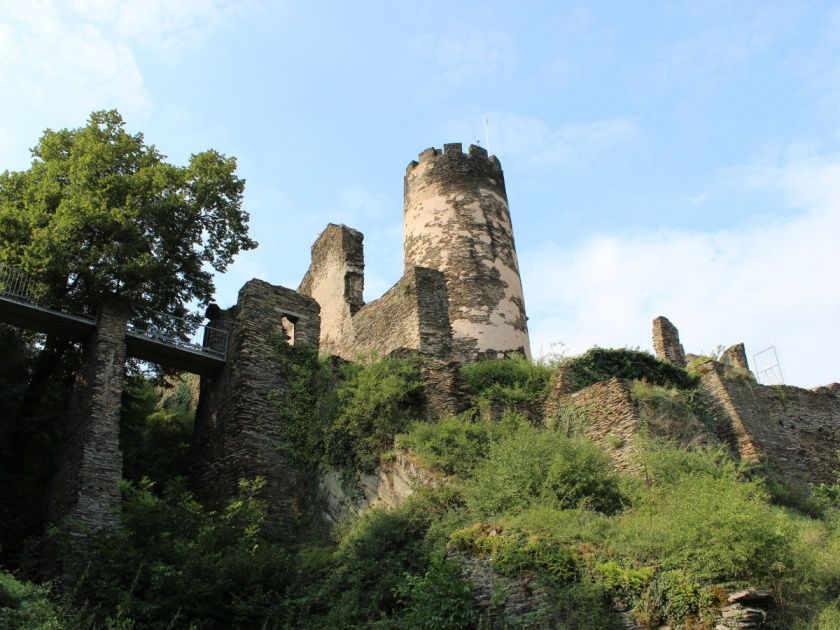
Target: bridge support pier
(85, 485)
(238, 419)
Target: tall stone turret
(457, 221)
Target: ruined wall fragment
(793, 432)
(237, 424)
(735, 356)
(335, 279)
(85, 485)
(666, 342)
(457, 220)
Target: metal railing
(168, 329)
(17, 285)
(183, 333)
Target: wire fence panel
(768, 368)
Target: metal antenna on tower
(486, 134)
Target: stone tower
(457, 221)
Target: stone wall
(793, 432)
(607, 413)
(335, 279)
(666, 342)
(457, 221)
(413, 314)
(85, 485)
(237, 421)
(735, 356)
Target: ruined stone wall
(457, 221)
(237, 421)
(85, 485)
(412, 315)
(666, 342)
(335, 280)
(607, 414)
(794, 432)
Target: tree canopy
(99, 212)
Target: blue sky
(675, 158)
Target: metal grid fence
(768, 368)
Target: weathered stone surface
(749, 596)
(666, 342)
(413, 314)
(457, 221)
(607, 413)
(794, 432)
(393, 482)
(506, 602)
(237, 421)
(85, 485)
(562, 384)
(735, 356)
(335, 279)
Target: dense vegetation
(522, 509)
(523, 501)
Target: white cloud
(529, 143)
(61, 60)
(773, 282)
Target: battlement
(454, 151)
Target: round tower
(458, 222)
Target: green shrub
(440, 598)
(375, 402)
(27, 605)
(601, 364)
(540, 465)
(155, 437)
(344, 416)
(512, 380)
(457, 444)
(172, 563)
(713, 528)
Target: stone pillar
(666, 342)
(735, 356)
(85, 485)
(237, 421)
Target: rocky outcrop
(393, 482)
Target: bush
(173, 563)
(712, 527)
(346, 415)
(457, 444)
(27, 605)
(375, 402)
(601, 364)
(511, 380)
(540, 465)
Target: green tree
(100, 212)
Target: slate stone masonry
(237, 420)
(85, 485)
